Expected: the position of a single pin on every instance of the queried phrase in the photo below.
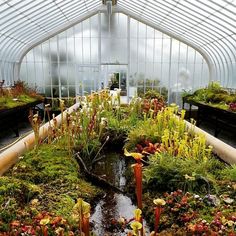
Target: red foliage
(148, 148)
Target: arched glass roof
(207, 25)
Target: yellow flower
(81, 208)
(159, 202)
(137, 214)
(44, 221)
(136, 226)
(137, 156)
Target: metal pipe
(221, 149)
(10, 156)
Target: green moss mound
(46, 179)
(213, 95)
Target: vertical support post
(58, 67)
(145, 59)
(128, 57)
(137, 56)
(99, 50)
(169, 79)
(16, 71)
(67, 71)
(177, 82)
(194, 69)
(153, 58)
(75, 68)
(42, 61)
(27, 69)
(162, 43)
(35, 74)
(82, 59)
(201, 73)
(50, 70)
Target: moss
(63, 206)
(49, 175)
(48, 163)
(8, 102)
(213, 95)
(21, 190)
(219, 97)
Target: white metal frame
(206, 25)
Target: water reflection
(112, 206)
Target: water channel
(112, 205)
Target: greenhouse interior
(117, 117)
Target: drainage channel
(113, 205)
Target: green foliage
(214, 86)
(55, 103)
(15, 194)
(213, 95)
(21, 190)
(150, 94)
(20, 94)
(168, 173)
(48, 163)
(149, 90)
(141, 132)
(229, 173)
(192, 214)
(48, 174)
(8, 102)
(171, 131)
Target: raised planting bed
(220, 118)
(11, 118)
(177, 185)
(214, 104)
(15, 103)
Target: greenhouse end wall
(86, 56)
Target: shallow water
(112, 205)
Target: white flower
(104, 121)
(118, 91)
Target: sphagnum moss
(50, 176)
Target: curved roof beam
(33, 37)
(163, 15)
(170, 30)
(149, 10)
(42, 16)
(54, 32)
(205, 40)
(166, 31)
(30, 26)
(117, 9)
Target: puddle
(112, 205)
